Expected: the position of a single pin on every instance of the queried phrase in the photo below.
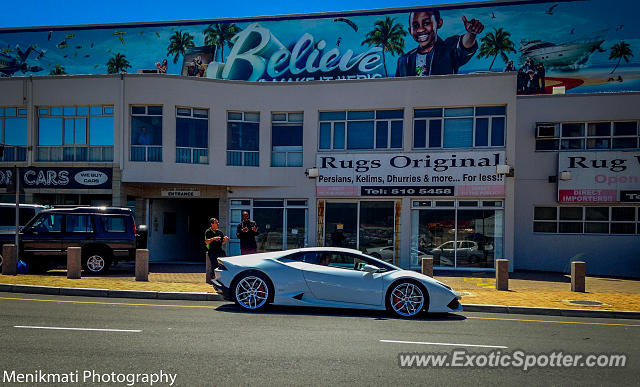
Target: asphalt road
(215, 343)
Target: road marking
(552, 321)
(447, 344)
(78, 329)
(215, 307)
(107, 303)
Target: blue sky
(71, 12)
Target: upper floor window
(75, 133)
(242, 138)
(465, 127)
(286, 139)
(370, 129)
(587, 135)
(146, 133)
(587, 220)
(13, 133)
(192, 135)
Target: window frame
(558, 139)
(294, 151)
(474, 116)
(375, 120)
(74, 151)
(196, 155)
(586, 223)
(19, 152)
(244, 158)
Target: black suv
(106, 235)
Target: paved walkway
(529, 289)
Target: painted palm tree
(620, 51)
(179, 43)
(496, 43)
(59, 70)
(117, 63)
(389, 36)
(219, 34)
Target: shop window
(75, 133)
(243, 138)
(465, 127)
(468, 234)
(13, 133)
(286, 139)
(367, 226)
(370, 129)
(146, 133)
(588, 220)
(587, 135)
(192, 135)
(282, 224)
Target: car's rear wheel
(252, 291)
(407, 298)
(96, 262)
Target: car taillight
(135, 231)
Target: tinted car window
(48, 223)
(79, 223)
(7, 216)
(113, 223)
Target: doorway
(177, 226)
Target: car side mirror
(370, 269)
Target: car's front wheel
(407, 298)
(252, 291)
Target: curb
(620, 314)
(191, 296)
(89, 292)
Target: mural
(580, 45)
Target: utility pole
(17, 178)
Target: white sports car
(330, 277)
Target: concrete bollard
(502, 274)
(74, 265)
(427, 266)
(142, 265)
(578, 272)
(207, 269)
(9, 260)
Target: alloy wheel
(95, 263)
(252, 292)
(407, 299)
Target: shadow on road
(335, 312)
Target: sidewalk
(526, 289)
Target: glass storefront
(457, 233)
(282, 224)
(367, 226)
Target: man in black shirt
(246, 232)
(214, 239)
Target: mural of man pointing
(435, 56)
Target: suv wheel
(96, 262)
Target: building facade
(455, 167)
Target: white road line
(447, 344)
(79, 329)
